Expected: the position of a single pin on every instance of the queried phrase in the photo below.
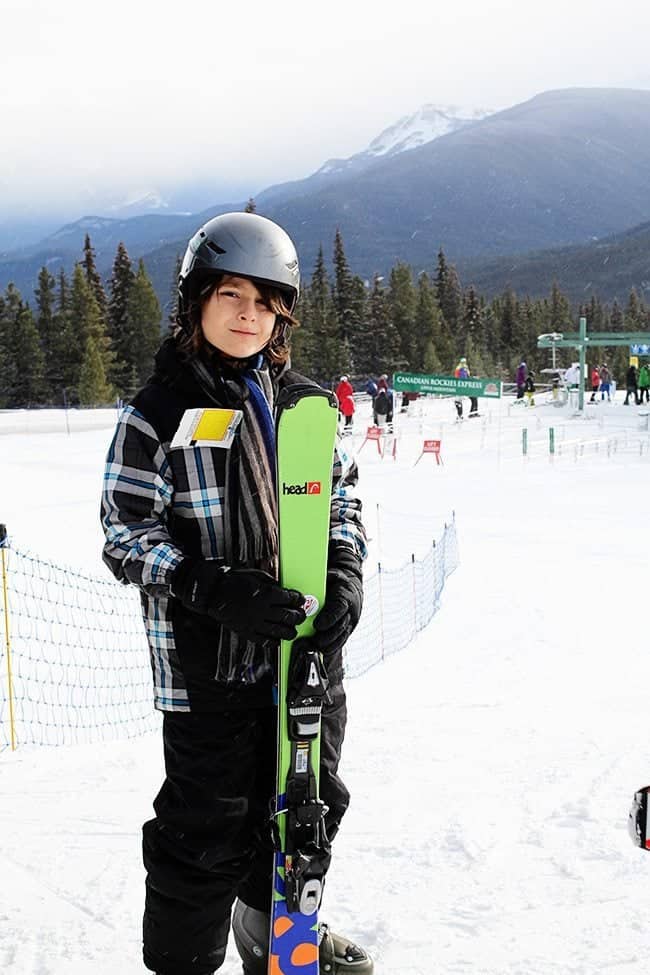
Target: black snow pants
(210, 840)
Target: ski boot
(337, 955)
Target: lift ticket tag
(207, 428)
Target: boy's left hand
(343, 602)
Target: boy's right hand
(248, 601)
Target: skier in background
(371, 388)
(473, 400)
(631, 385)
(195, 529)
(529, 389)
(572, 376)
(605, 382)
(345, 395)
(382, 407)
(644, 383)
(462, 372)
(520, 379)
(595, 384)
(406, 399)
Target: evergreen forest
(83, 341)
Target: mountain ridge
(563, 168)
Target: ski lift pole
(583, 359)
(5, 598)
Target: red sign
(373, 433)
(431, 447)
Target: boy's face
(236, 319)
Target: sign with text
(412, 382)
(431, 447)
(638, 349)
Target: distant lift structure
(581, 341)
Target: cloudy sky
(100, 100)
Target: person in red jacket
(595, 383)
(345, 395)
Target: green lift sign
(413, 382)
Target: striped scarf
(251, 529)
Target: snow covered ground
(491, 763)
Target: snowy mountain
(566, 167)
(87, 225)
(411, 131)
(428, 123)
(138, 202)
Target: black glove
(248, 601)
(343, 602)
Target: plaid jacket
(160, 505)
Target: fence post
(5, 603)
(415, 595)
(379, 530)
(524, 441)
(551, 440)
(381, 610)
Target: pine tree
(427, 329)
(333, 354)
(302, 346)
(471, 324)
(475, 360)
(21, 357)
(616, 321)
(635, 313)
(349, 295)
(357, 321)
(8, 365)
(29, 385)
(173, 294)
(342, 291)
(93, 279)
(402, 303)
(560, 310)
(93, 387)
(448, 294)
(510, 343)
(63, 296)
(493, 367)
(144, 315)
(120, 331)
(531, 322)
(56, 366)
(85, 321)
(251, 206)
(441, 278)
(595, 315)
(48, 325)
(9, 362)
(381, 340)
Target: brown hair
(188, 332)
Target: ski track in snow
(491, 763)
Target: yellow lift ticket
(207, 428)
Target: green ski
(306, 436)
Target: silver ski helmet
(242, 244)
